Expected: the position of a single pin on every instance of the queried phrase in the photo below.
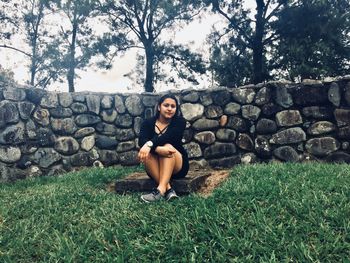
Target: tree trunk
(149, 68)
(71, 66)
(258, 49)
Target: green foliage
(141, 24)
(6, 77)
(262, 213)
(314, 39)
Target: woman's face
(167, 108)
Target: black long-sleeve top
(172, 135)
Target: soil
(216, 178)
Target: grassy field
(262, 213)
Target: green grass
(263, 213)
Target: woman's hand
(143, 153)
(166, 150)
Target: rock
(42, 117)
(205, 99)
(49, 100)
(334, 94)
(10, 154)
(263, 96)
(226, 135)
(237, 124)
(321, 127)
(106, 129)
(35, 95)
(188, 135)
(87, 120)
(288, 118)
(344, 132)
(244, 142)
(283, 98)
(13, 134)
(87, 143)
(191, 111)
(126, 146)
(14, 94)
(45, 137)
(119, 104)
(129, 158)
(191, 96)
(31, 129)
(342, 117)
(249, 158)
(137, 125)
(66, 145)
(243, 95)
(8, 113)
(270, 109)
(286, 153)
(106, 102)
(104, 142)
(226, 162)
(125, 134)
(263, 147)
(148, 113)
(34, 171)
(78, 97)
(266, 126)
(109, 157)
(150, 100)
(310, 95)
(198, 165)
(223, 120)
(288, 136)
(221, 97)
(250, 112)
(317, 112)
(61, 112)
(93, 103)
(78, 107)
(219, 150)
(65, 99)
(206, 137)
(84, 132)
(134, 105)
(338, 157)
(213, 111)
(312, 82)
(63, 126)
(232, 108)
(109, 115)
(25, 109)
(45, 157)
(347, 93)
(81, 159)
(205, 124)
(193, 150)
(322, 146)
(123, 121)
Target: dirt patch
(213, 181)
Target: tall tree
(246, 40)
(77, 41)
(26, 19)
(314, 39)
(142, 23)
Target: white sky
(114, 79)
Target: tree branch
(16, 49)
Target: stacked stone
(46, 133)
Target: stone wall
(46, 133)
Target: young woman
(161, 148)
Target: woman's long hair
(163, 98)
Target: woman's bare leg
(152, 166)
(167, 167)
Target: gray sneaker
(170, 194)
(154, 196)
